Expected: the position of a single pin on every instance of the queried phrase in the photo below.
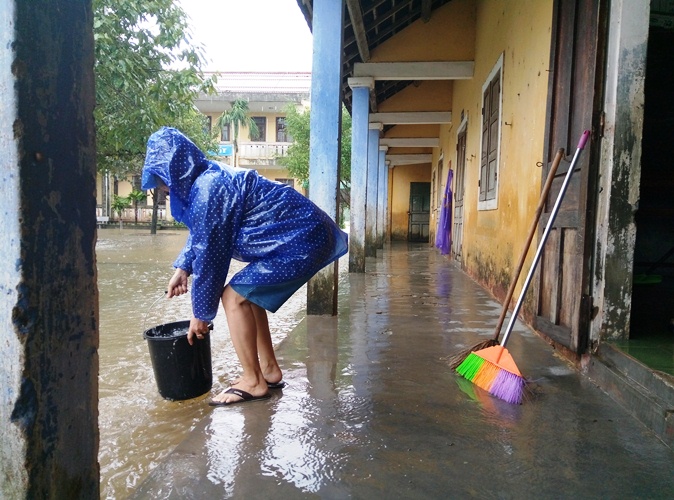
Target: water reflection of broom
(493, 368)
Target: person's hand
(198, 328)
(178, 283)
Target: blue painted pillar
(372, 198)
(359, 138)
(387, 216)
(382, 196)
(325, 140)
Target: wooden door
(574, 96)
(457, 222)
(420, 211)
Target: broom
(458, 358)
(493, 369)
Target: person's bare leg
(265, 349)
(241, 320)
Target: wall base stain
(496, 280)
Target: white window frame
(492, 204)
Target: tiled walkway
(372, 410)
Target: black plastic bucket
(182, 371)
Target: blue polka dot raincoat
(236, 213)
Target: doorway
(457, 222)
(419, 212)
(651, 329)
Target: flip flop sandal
(246, 397)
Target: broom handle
(544, 237)
(532, 231)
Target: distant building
(268, 95)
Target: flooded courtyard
(138, 428)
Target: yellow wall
(493, 239)
(479, 31)
(124, 188)
(400, 178)
(422, 96)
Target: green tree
(235, 118)
(136, 196)
(147, 75)
(118, 205)
(297, 158)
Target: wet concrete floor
(371, 410)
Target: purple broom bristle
(508, 387)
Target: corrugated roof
(263, 82)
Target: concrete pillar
(389, 196)
(325, 141)
(49, 305)
(372, 197)
(382, 196)
(359, 149)
(387, 223)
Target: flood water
(138, 428)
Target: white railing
(262, 150)
(144, 215)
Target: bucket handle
(150, 308)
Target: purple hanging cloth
(443, 237)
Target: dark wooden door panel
(573, 97)
(420, 211)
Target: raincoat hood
(177, 161)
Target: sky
(251, 35)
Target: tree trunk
(155, 207)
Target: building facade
(268, 96)
(472, 99)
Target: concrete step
(648, 395)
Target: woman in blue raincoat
(234, 213)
